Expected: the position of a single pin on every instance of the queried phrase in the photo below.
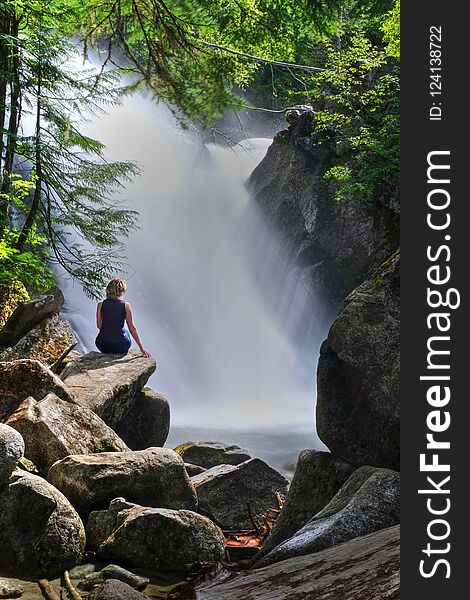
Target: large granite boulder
(318, 476)
(23, 378)
(359, 374)
(28, 314)
(367, 502)
(41, 535)
(53, 429)
(11, 451)
(211, 454)
(107, 384)
(231, 494)
(333, 246)
(147, 423)
(153, 477)
(154, 538)
(46, 342)
(113, 589)
(367, 568)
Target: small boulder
(227, 494)
(367, 502)
(107, 384)
(317, 478)
(147, 423)
(23, 378)
(53, 429)
(211, 454)
(41, 535)
(114, 589)
(153, 477)
(154, 538)
(10, 589)
(28, 314)
(113, 572)
(11, 451)
(46, 342)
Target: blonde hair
(116, 288)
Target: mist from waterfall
(236, 341)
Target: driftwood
(47, 590)
(72, 592)
(55, 367)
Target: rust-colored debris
(254, 538)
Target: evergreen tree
(72, 204)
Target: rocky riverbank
(89, 493)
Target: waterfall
(206, 279)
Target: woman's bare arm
(133, 330)
(99, 321)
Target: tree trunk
(5, 20)
(36, 203)
(13, 74)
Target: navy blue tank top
(113, 316)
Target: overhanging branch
(266, 61)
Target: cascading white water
(205, 279)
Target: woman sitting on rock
(111, 314)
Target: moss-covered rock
(41, 535)
(11, 294)
(28, 314)
(45, 342)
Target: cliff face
(346, 251)
(337, 244)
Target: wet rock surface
(147, 423)
(53, 429)
(367, 568)
(153, 477)
(154, 538)
(108, 384)
(229, 493)
(359, 374)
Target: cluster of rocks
(83, 469)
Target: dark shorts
(113, 347)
